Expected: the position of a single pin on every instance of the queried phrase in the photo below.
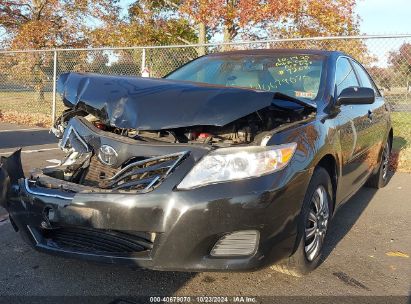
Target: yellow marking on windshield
(294, 64)
(278, 83)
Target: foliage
(81, 23)
(148, 23)
(396, 74)
(39, 24)
(383, 76)
(54, 23)
(275, 18)
(255, 19)
(401, 60)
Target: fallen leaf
(397, 254)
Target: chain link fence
(27, 78)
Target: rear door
(354, 125)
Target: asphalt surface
(363, 251)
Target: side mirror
(356, 95)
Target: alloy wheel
(316, 223)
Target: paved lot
(368, 227)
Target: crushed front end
(115, 198)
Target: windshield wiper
(304, 103)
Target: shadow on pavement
(14, 139)
(347, 216)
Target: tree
(255, 19)
(43, 24)
(401, 61)
(274, 18)
(384, 77)
(163, 22)
(311, 18)
(149, 23)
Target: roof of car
(277, 51)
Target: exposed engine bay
(110, 148)
(245, 130)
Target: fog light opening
(239, 243)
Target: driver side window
(344, 75)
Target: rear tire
(380, 179)
(312, 226)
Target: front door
(354, 121)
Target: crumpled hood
(155, 104)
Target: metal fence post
(53, 113)
(143, 60)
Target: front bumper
(164, 229)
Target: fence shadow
(347, 216)
(14, 139)
(399, 143)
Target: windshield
(291, 74)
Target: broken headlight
(228, 164)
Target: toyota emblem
(107, 155)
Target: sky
(385, 16)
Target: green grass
(401, 122)
(398, 96)
(25, 102)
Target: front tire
(312, 226)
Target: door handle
(370, 115)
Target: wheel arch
(329, 163)
(391, 138)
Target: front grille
(97, 172)
(96, 241)
(143, 175)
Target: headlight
(228, 164)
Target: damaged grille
(96, 241)
(72, 141)
(84, 165)
(97, 171)
(143, 175)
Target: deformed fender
(11, 171)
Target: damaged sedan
(234, 161)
